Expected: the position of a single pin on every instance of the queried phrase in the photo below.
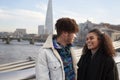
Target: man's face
(69, 37)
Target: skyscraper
(49, 19)
(40, 29)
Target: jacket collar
(48, 43)
(56, 45)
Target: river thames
(16, 51)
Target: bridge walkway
(26, 69)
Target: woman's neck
(94, 51)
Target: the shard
(49, 19)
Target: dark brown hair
(67, 25)
(105, 43)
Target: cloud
(4, 14)
(29, 14)
(21, 18)
(72, 14)
(18, 14)
(96, 15)
(41, 6)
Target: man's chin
(69, 42)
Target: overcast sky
(28, 14)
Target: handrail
(13, 63)
(19, 65)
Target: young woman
(96, 62)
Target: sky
(28, 14)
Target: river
(17, 51)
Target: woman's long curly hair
(105, 43)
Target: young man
(56, 60)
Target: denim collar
(58, 46)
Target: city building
(6, 34)
(106, 28)
(41, 29)
(45, 30)
(49, 19)
(19, 33)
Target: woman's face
(92, 41)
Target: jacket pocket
(55, 70)
(54, 66)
